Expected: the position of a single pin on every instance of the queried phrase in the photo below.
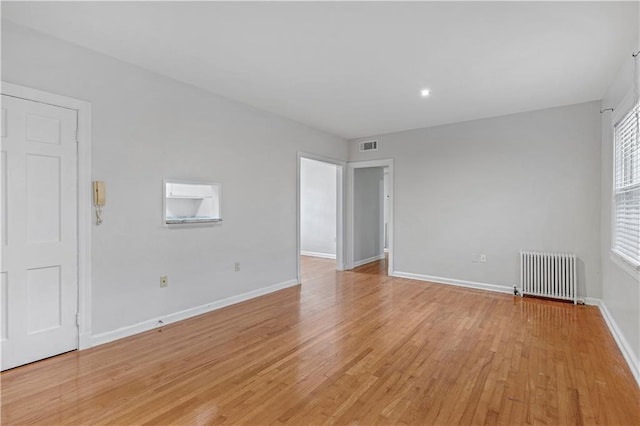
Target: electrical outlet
(483, 258)
(236, 266)
(164, 281)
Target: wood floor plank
(355, 347)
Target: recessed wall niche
(188, 202)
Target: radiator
(550, 275)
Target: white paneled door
(39, 231)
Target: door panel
(3, 121)
(43, 129)
(39, 227)
(3, 295)
(3, 199)
(43, 199)
(43, 299)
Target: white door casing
(39, 231)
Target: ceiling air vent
(368, 146)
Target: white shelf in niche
(187, 202)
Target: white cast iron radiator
(548, 275)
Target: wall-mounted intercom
(99, 199)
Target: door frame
(83, 138)
(350, 211)
(340, 234)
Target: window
(626, 220)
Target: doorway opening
(371, 215)
(320, 206)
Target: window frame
(620, 113)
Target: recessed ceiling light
(425, 92)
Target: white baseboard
(369, 260)
(625, 348)
(110, 336)
(452, 281)
(591, 301)
(316, 254)
(84, 341)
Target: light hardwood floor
(345, 347)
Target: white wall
(620, 286)
(368, 214)
(527, 181)
(318, 195)
(147, 127)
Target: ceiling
(356, 69)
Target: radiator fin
(550, 275)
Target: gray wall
(318, 210)
(368, 214)
(147, 127)
(527, 181)
(620, 286)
